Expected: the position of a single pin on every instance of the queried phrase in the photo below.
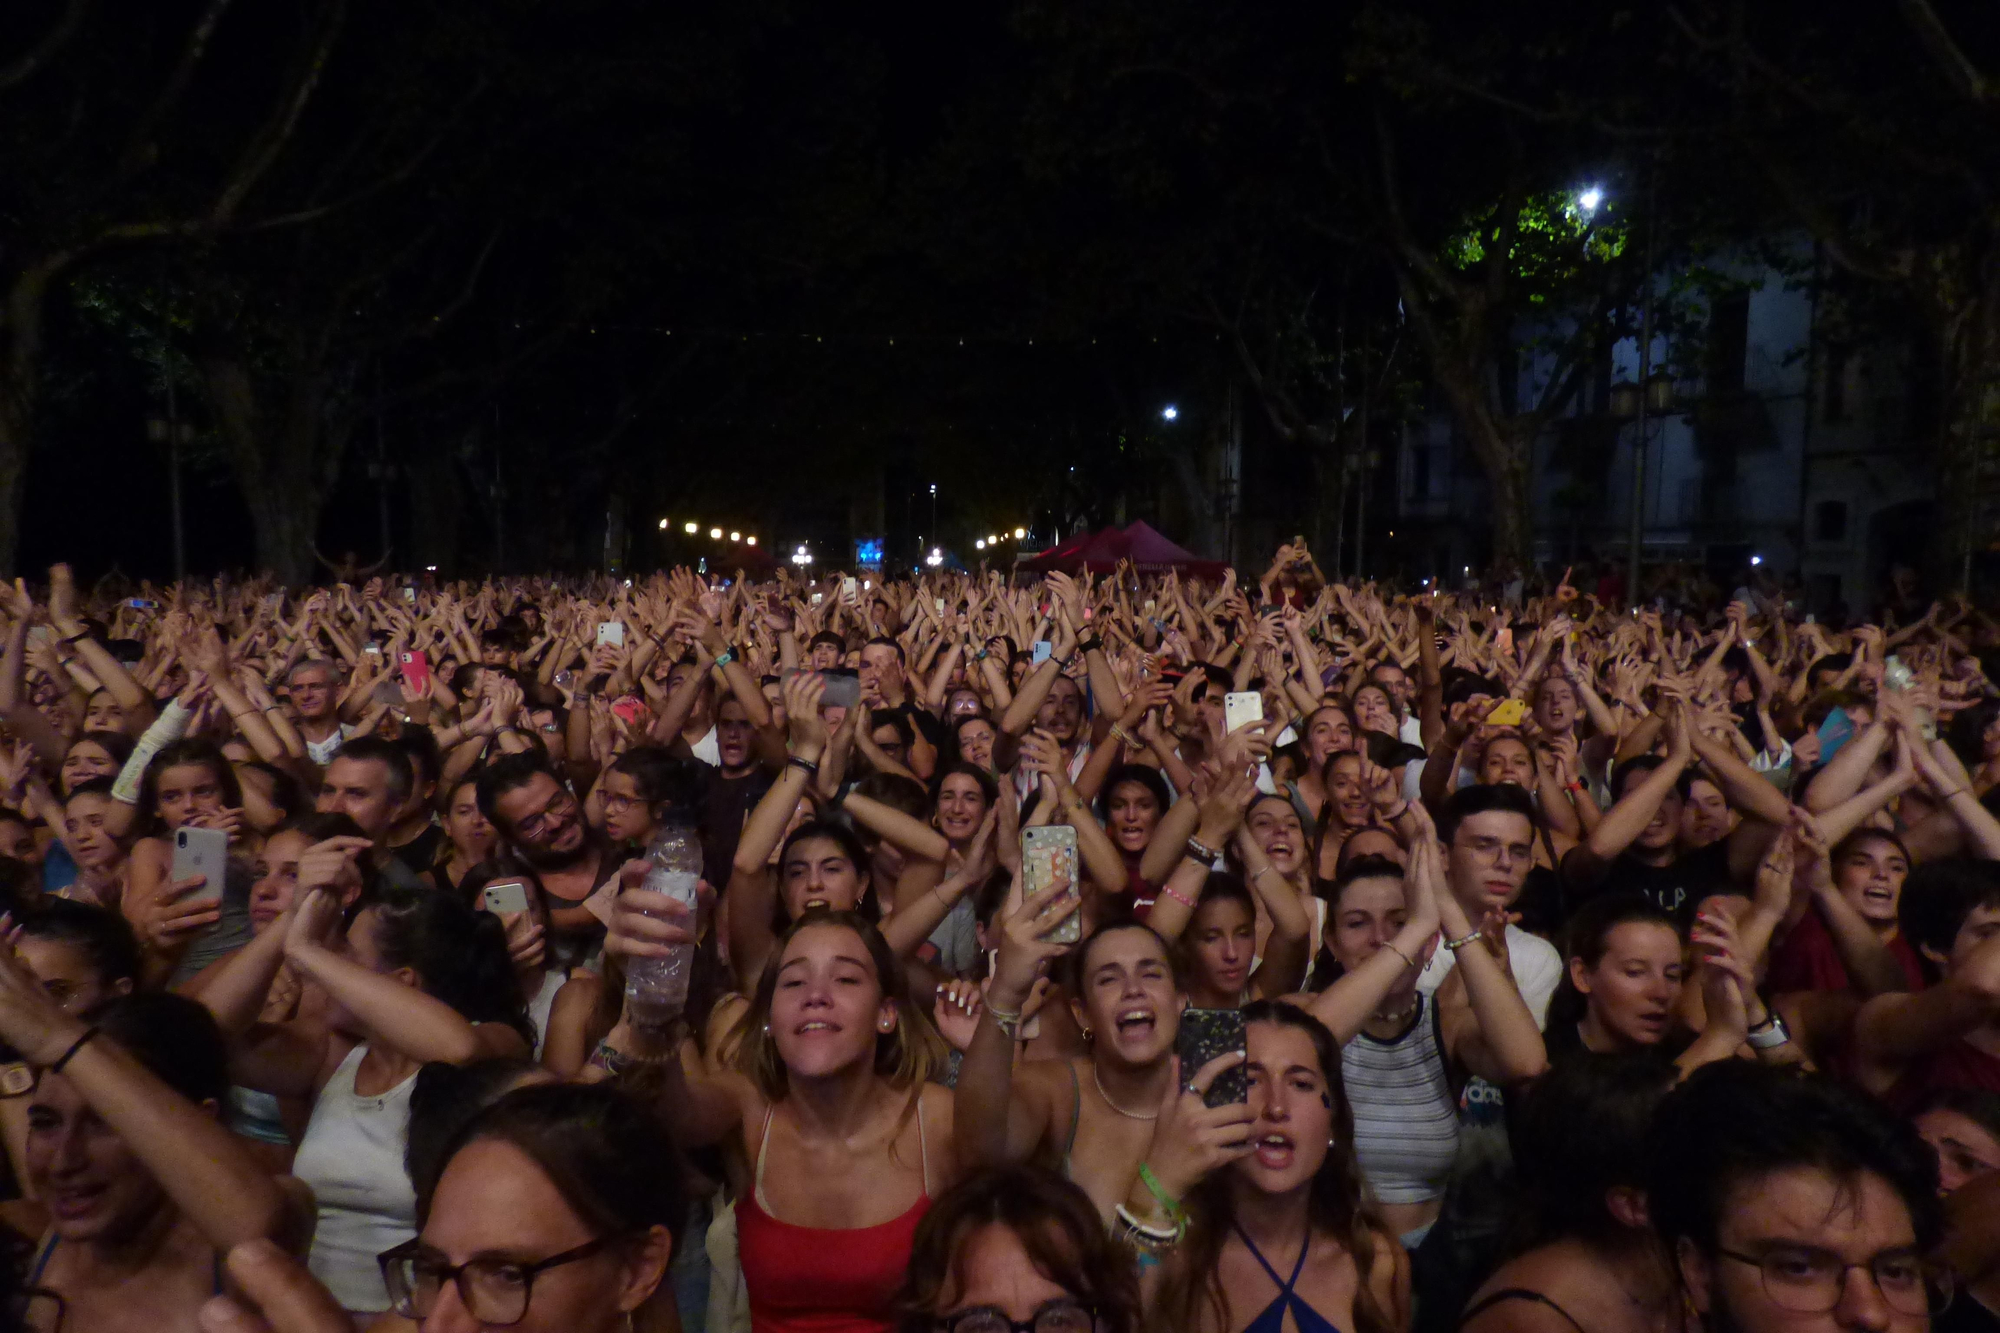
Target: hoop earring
(767, 1029)
(1086, 1034)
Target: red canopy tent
(1149, 551)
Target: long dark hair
(1336, 1204)
(192, 753)
(609, 1155)
(1586, 938)
(459, 955)
(867, 905)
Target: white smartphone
(1240, 708)
(611, 632)
(505, 897)
(1048, 850)
(847, 589)
(204, 852)
(940, 605)
(818, 597)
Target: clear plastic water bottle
(656, 988)
(1896, 675)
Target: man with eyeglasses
(1788, 1202)
(1488, 832)
(542, 822)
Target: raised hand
(1025, 951)
(1192, 1138)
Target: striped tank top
(1405, 1117)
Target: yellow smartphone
(1510, 713)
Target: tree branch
(1946, 53)
(263, 149)
(58, 35)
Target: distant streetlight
(693, 528)
(1020, 534)
(1170, 413)
(749, 541)
(715, 533)
(979, 545)
(1756, 560)
(736, 536)
(1590, 199)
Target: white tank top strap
(923, 1144)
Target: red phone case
(417, 670)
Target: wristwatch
(1769, 1034)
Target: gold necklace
(1129, 1115)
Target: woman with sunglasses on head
(1261, 1221)
(1017, 1249)
(554, 1210)
(848, 1139)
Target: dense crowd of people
(1103, 952)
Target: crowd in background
(1107, 951)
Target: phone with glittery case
(1048, 850)
(1205, 1034)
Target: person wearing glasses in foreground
(1789, 1202)
(1017, 1249)
(557, 1211)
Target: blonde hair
(907, 1056)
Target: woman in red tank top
(832, 1100)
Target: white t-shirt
(708, 750)
(1536, 966)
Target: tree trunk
(1965, 305)
(20, 395)
(285, 468)
(17, 413)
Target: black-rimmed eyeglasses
(493, 1291)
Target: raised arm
(993, 1119)
(1346, 1006)
(1628, 816)
(22, 717)
(417, 1025)
(1288, 951)
(110, 672)
(1490, 1031)
(1098, 854)
(208, 1172)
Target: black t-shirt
(1674, 888)
(725, 805)
(930, 726)
(421, 852)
